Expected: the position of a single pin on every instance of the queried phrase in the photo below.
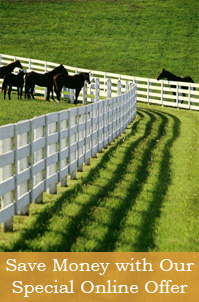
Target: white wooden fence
(182, 95)
(37, 154)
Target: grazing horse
(11, 80)
(9, 68)
(172, 77)
(74, 82)
(45, 80)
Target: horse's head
(161, 75)
(87, 77)
(18, 64)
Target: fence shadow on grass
(42, 221)
(141, 175)
(69, 235)
(146, 239)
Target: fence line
(37, 154)
(165, 93)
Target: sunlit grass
(138, 38)
(141, 194)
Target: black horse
(9, 68)
(74, 82)
(45, 80)
(172, 77)
(11, 80)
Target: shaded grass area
(131, 198)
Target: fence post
(87, 133)
(51, 128)
(5, 173)
(162, 93)
(37, 156)
(179, 100)
(97, 90)
(21, 164)
(127, 86)
(30, 63)
(45, 88)
(108, 88)
(80, 137)
(63, 146)
(149, 90)
(72, 96)
(190, 95)
(119, 87)
(72, 141)
(85, 93)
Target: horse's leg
(5, 88)
(26, 90)
(48, 94)
(21, 91)
(9, 92)
(77, 91)
(51, 89)
(18, 92)
(55, 89)
(32, 92)
(58, 93)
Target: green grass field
(142, 193)
(138, 37)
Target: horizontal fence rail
(37, 154)
(106, 85)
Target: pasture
(142, 193)
(138, 37)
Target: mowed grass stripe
(139, 228)
(107, 220)
(178, 228)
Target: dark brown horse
(172, 77)
(74, 82)
(9, 68)
(45, 80)
(13, 80)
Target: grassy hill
(137, 37)
(142, 193)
